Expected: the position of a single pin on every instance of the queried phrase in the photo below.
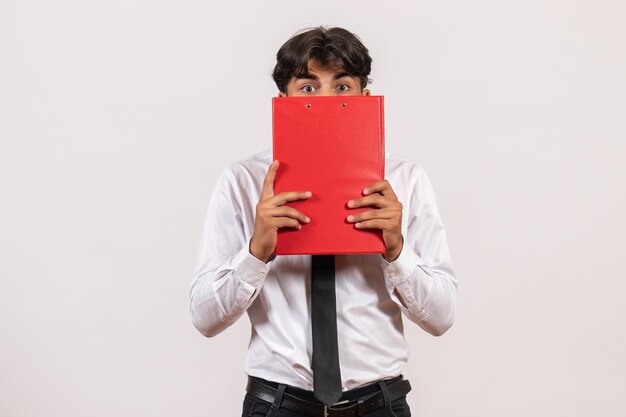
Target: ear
(281, 94)
(365, 92)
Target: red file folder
(332, 146)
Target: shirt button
(392, 274)
(261, 274)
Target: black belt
(352, 408)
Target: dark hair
(333, 47)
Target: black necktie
(325, 361)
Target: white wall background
(116, 118)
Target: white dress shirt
(229, 281)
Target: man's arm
(418, 271)
(231, 267)
(227, 277)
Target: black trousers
(254, 407)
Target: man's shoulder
(251, 165)
(395, 164)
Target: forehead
(316, 66)
(315, 69)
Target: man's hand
(386, 217)
(272, 215)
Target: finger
(282, 198)
(371, 214)
(268, 182)
(285, 211)
(374, 224)
(382, 187)
(375, 200)
(281, 222)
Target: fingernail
(350, 203)
(357, 224)
(350, 218)
(308, 194)
(366, 191)
(306, 219)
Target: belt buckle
(326, 408)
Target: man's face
(324, 81)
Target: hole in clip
(308, 105)
(344, 104)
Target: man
(237, 270)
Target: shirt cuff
(251, 270)
(399, 270)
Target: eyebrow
(308, 76)
(341, 75)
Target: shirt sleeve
(227, 277)
(423, 274)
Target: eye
(308, 88)
(342, 88)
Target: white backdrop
(116, 118)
